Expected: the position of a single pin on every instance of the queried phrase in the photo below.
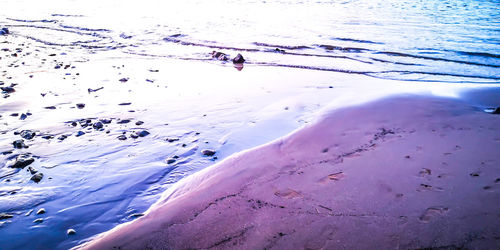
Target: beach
(405, 172)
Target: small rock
(238, 59)
(19, 144)
(32, 170)
(123, 121)
(105, 121)
(41, 211)
(219, 56)
(4, 31)
(4, 216)
(80, 105)
(134, 136)
(136, 215)
(139, 123)
(7, 90)
(124, 103)
(71, 231)
(50, 107)
(170, 161)
(39, 220)
(123, 80)
(62, 137)
(47, 137)
(208, 152)
(122, 137)
(496, 111)
(37, 177)
(27, 134)
(79, 133)
(143, 133)
(23, 116)
(97, 125)
(23, 160)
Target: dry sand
(403, 172)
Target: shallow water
(302, 57)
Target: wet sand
(403, 172)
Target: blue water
(294, 50)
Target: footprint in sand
(432, 212)
(332, 177)
(288, 194)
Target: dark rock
(28, 134)
(23, 160)
(136, 215)
(80, 105)
(134, 136)
(496, 111)
(4, 31)
(37, 177)
(122, 137)
(208, 152)
(125, 103)
(138, 123)
(238, 59)
(219, 56)
(57, 67)
(7, 90)
(4, 216)
(97, 125)
(50, 107)
(71, 231)
(41, 211)
(123, 121)
(79, 133)
(123, 80)
(47, 137)
(19, 144)
(7, 152)
(74, 124)
(14, 114)
(170, 161)
(105, 121)
(172, 139)
(32, 170)
(62, 137)
(23, 116)
(143, 133)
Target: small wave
(435, 58)
(354, 40)
(32, 21)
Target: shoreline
(401, 172)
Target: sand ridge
(403, 172)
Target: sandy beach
(403, 172)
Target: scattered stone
(143, 133)
(39, 220)
(208, 152)
(125, 103)
(14, 114)
(23, 116)
(170, 161)
(172, 139)
(134, 136)
(62, 137)
(123, 121)
(28, 134)
(71, 231)
(122, 137)
(496, 111)
(37, 177)
(80, 105)
(50, 107)
(4, 216)
(47, 137)
(105, 121)
(79, 133)
(139, 123)
(123, 80)
(4, 31)
(98, 125)
(19, 144)
(136, 215)
(41, 211)
(7, 152)
(7, 90)
(219, 56)
(238, 59)
(32, 170)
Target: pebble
(62, 137)
(123, 121)
(79, 133)
(123, 80)
(19, 144)
(238, 59)
(23, 117)
(138, 123)
(80, 105)
(143, 133)
(170, 161)
(40, 211)
(50, 107)
(37, 177)
(122, 137)
(23, 160)
(208, 152)
(27, 134)
(98, 125)
(7, 90)
(134, 136)
(32, 170)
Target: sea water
(302, 57)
